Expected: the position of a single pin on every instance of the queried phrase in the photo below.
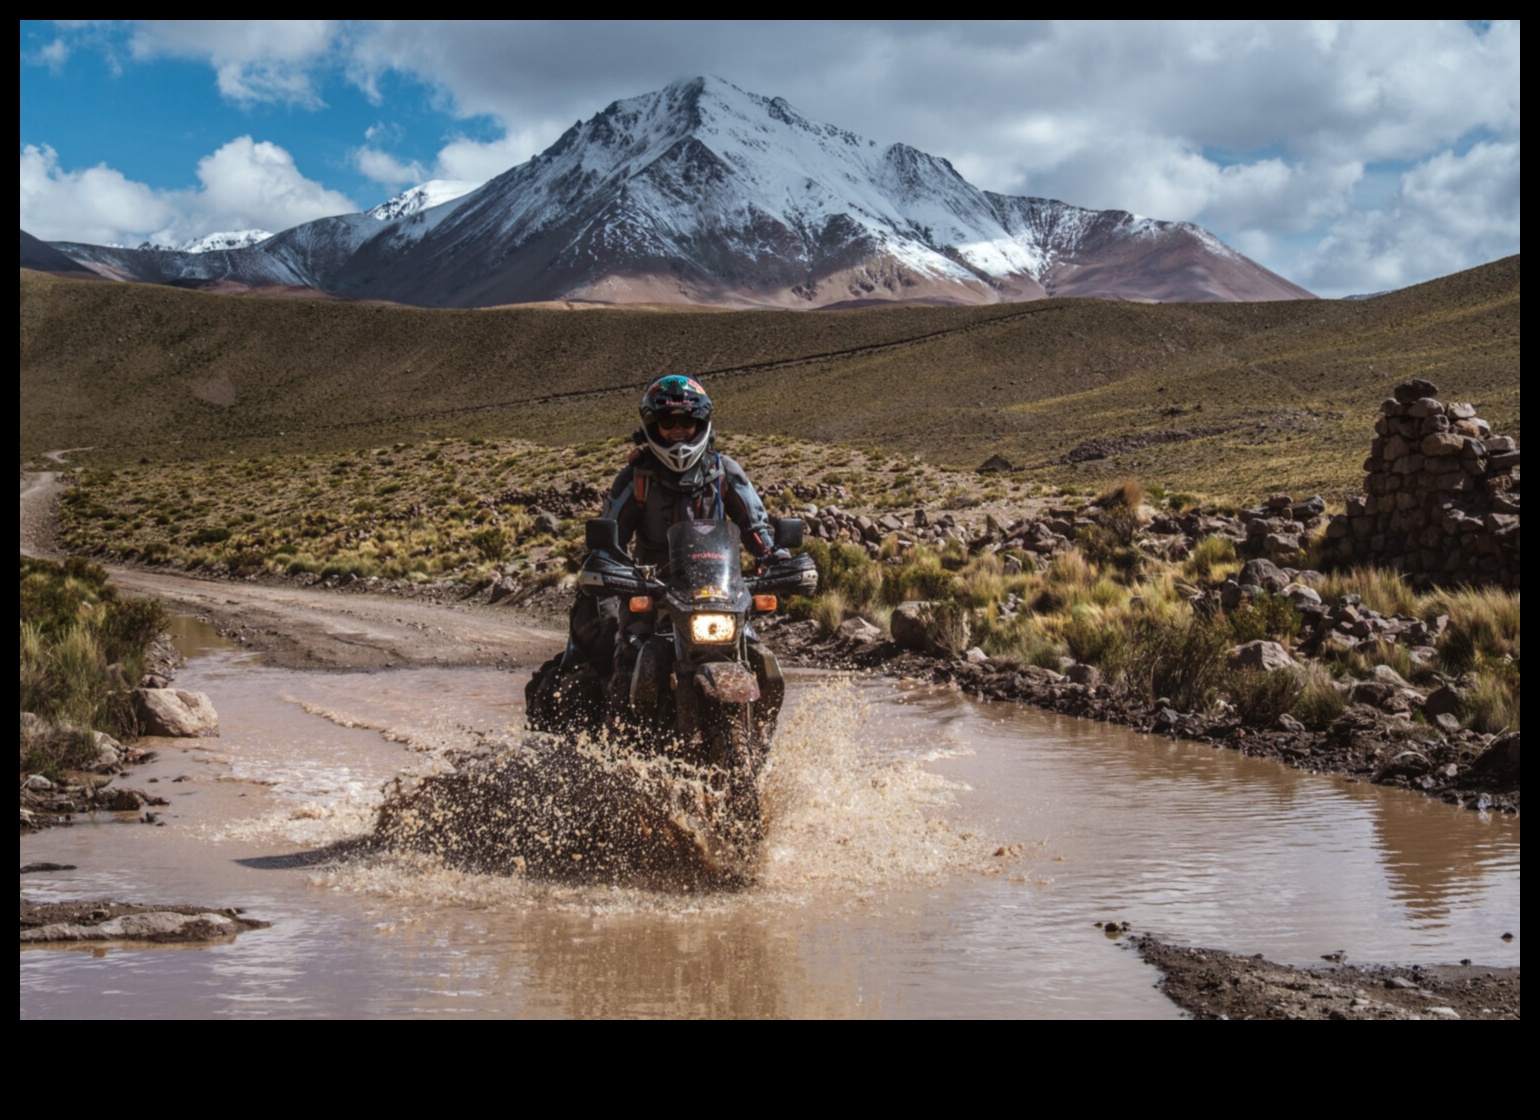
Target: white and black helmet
(673, 396)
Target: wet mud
(65, 923)
(1211, 984)
(574, 810)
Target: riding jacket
(646, 500)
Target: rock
(1447, 700)
(1386, 675)
(1407, 764)
(1310, 507)
(1298, 594)
(1260, 654)
(1265, 574)
(1446, 723)
(503, 587)
(176, 712)
(1011, 566)
(1088, 675)
(1496, 769)
(908, 625)
(1377, 694)
(37, 783)
(123, 800)
(547, 523)
(1414, 389)
(859, 630)
(1288, 723)
(976, 656)
(994, 465)
(155, 925)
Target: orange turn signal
(641, 604)
(764, 602)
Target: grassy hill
(1272, 395)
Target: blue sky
(1347, 156)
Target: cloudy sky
(1350, 157)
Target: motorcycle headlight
(713, 627)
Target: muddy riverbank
(1210, 984)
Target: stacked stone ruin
(1441, 495)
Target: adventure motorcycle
(702, 687)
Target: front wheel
(737, 748)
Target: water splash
(836, 818)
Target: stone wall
(1441, 496)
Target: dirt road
(299, 627)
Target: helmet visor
(674, 426)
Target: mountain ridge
(702, 193)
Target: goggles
(677, 422)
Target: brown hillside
(1276, 394)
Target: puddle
(879, 892)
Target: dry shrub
(1182, 660)
(1128, 494)
(1261, 697)
(1320, 701)
(947, 627)
(1093, 636)
(1022, 640)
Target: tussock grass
(82, 648)
(1492, 700)
(1212, 559)
(1483, 626)
(1381, 589)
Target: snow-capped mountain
(421, 197)
(214, 242)
(704, 193)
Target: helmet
(675, 395)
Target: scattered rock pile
(1441, 500)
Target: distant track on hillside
(718, 372)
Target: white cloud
(477, 161)
(245, 184)
(254, 60)
(97, 205)
(382, 167)
(54, 54)
(1452, 212)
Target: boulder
(1265, 574)
(859, 630)
(908, 625)
(1414, 389)
(175, 712)
(1497, 768)
(1088, 675)
(1267, 656)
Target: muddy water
(925, 856)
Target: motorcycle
(702, 687)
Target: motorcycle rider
(674, 474)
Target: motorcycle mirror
(602, 535)
(788, 533)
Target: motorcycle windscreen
(704, 566)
